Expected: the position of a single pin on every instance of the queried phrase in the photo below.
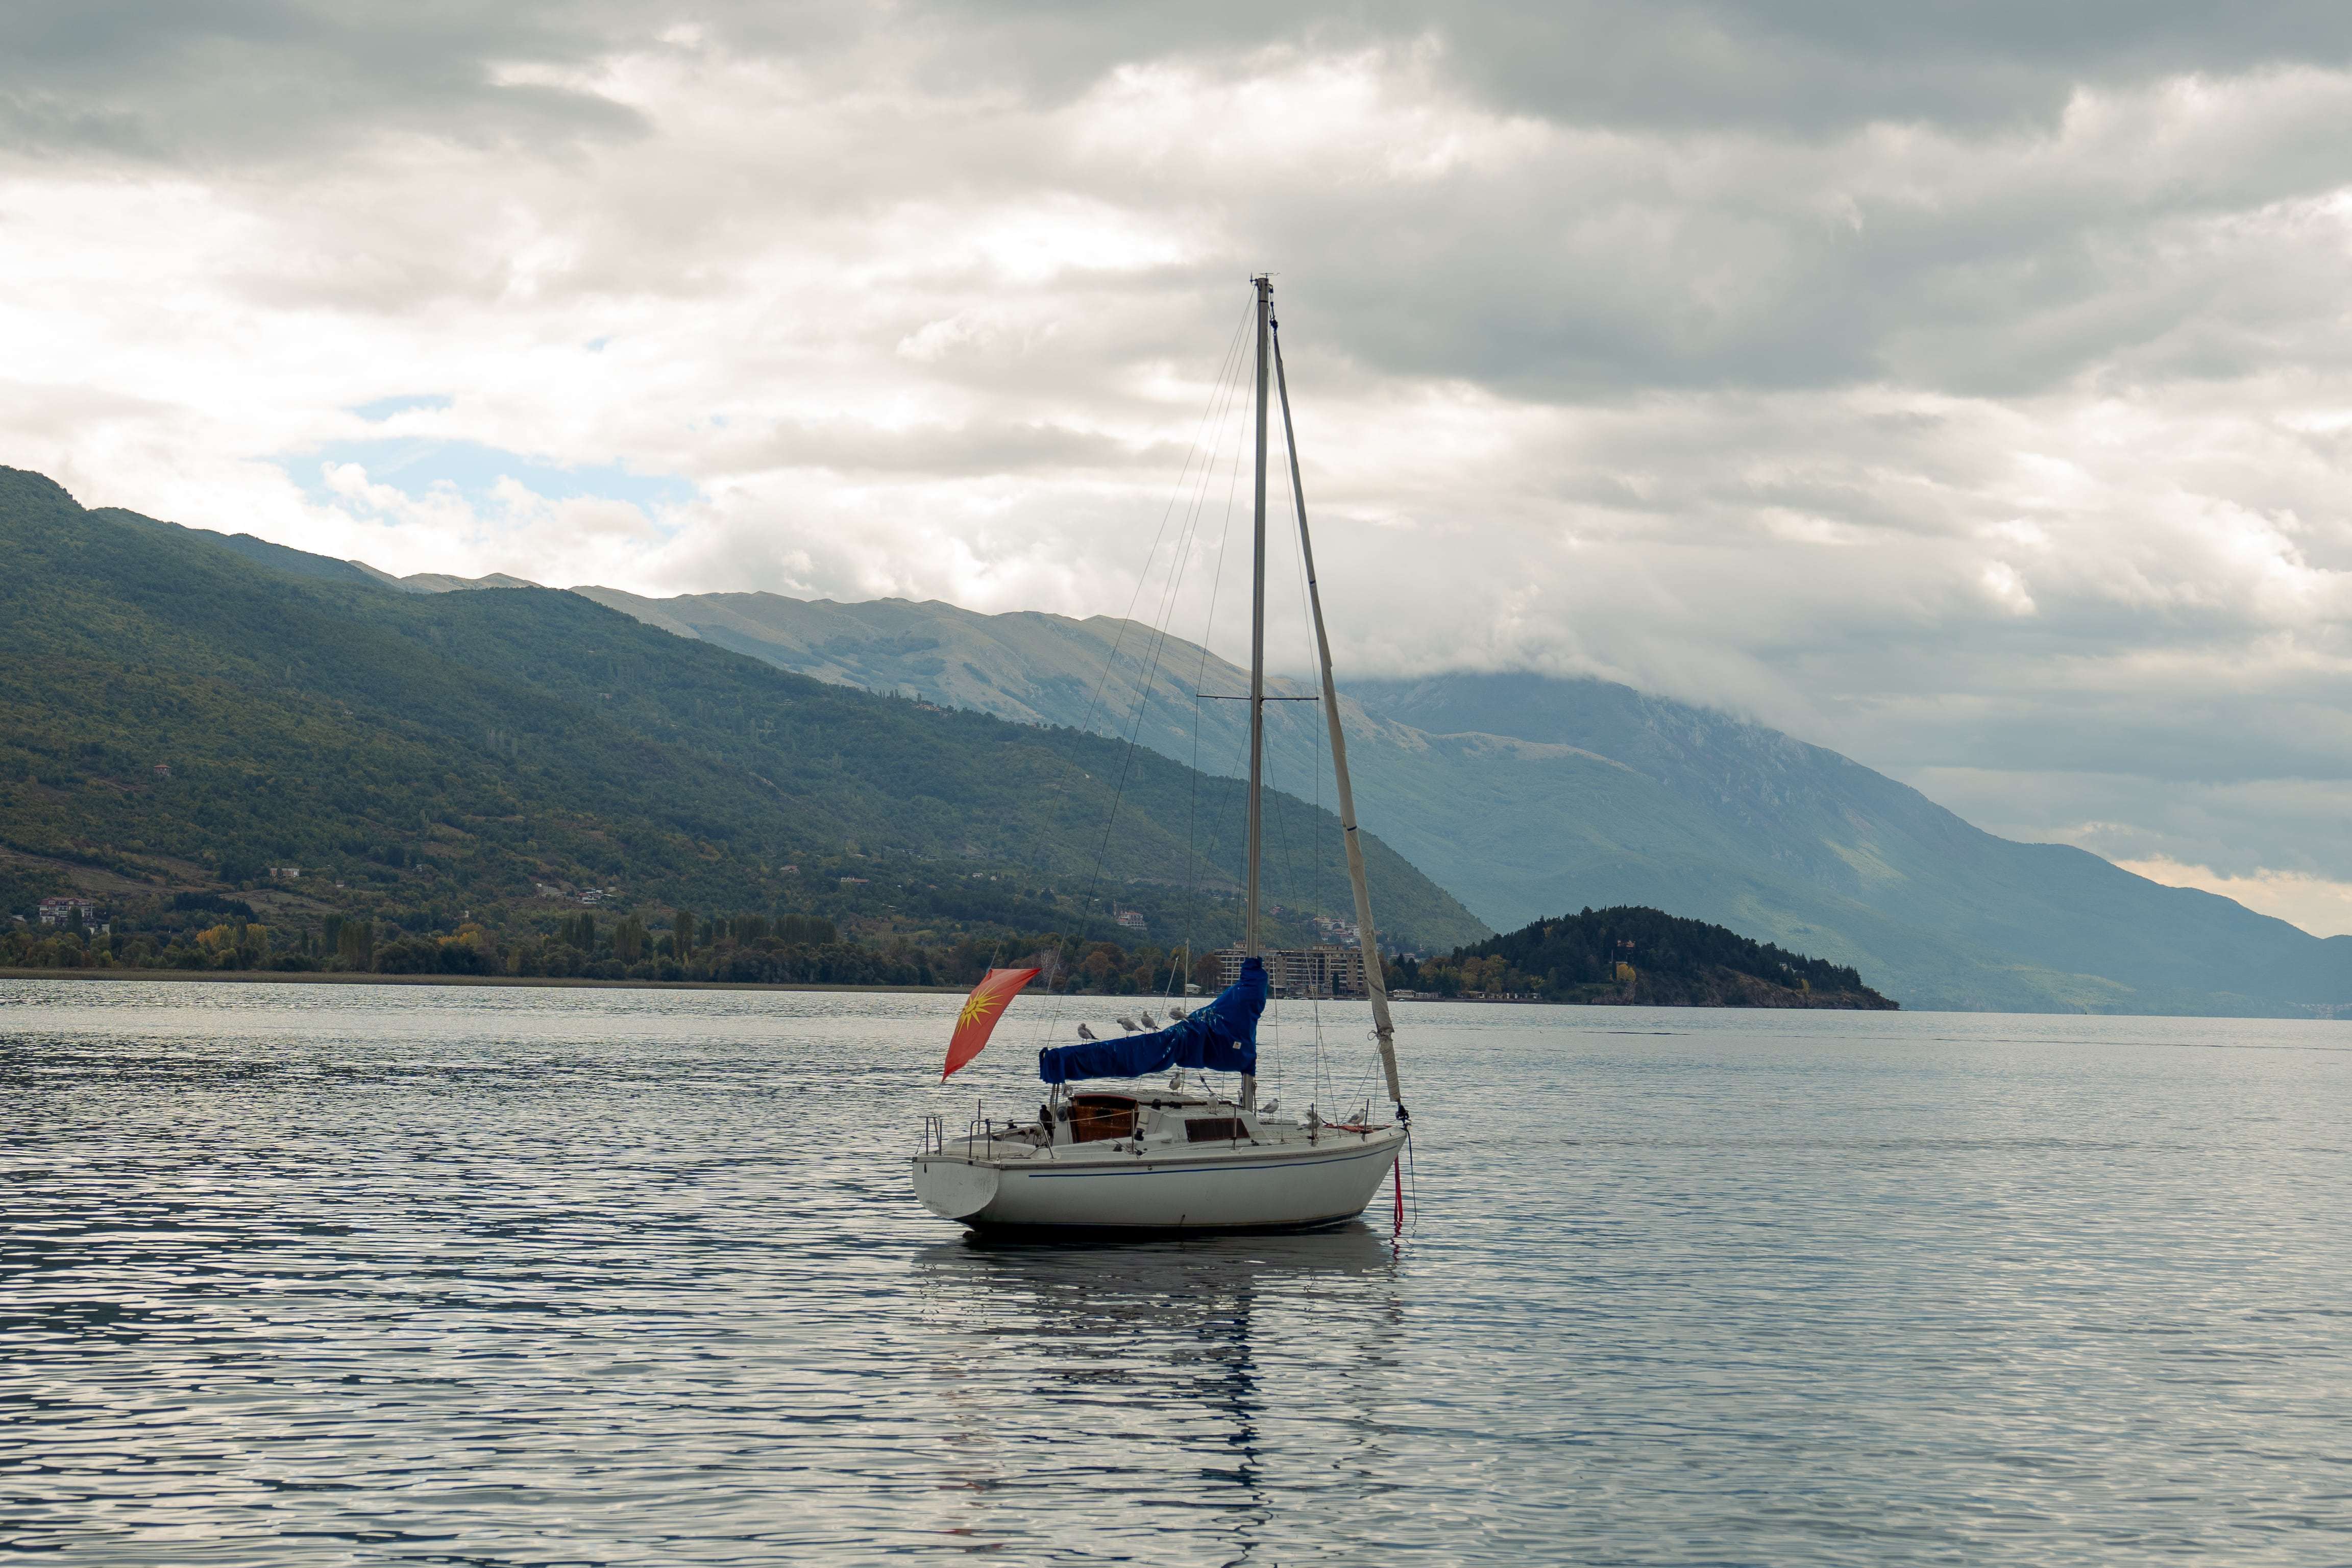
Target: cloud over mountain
(1964, 388)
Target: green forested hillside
(177, 710)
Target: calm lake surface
(326, 1274)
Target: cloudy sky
(1964, 387)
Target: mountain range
(1527, 797)
(765, 726)
(182, 709)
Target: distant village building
(593, 895)
(285, 873)
(60, 912)
(1338, 933)
(1131, 919)
(1322, 971)
(854, 882)
(163, 769)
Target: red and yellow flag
(980, 1010)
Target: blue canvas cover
(1221, 1034)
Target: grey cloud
(1814, 65)
(2236, 828)
(204, 81)
(1710, 244)
(237, 76)
(979, 448)
(2166, 740)
(1738, 269)
(1809, 66)
(1554, 281)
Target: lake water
(317, 1274)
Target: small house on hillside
(61, 910)
(1336, 932)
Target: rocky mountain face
(1526, 796)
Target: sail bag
(1221, 1035)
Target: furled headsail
(1221, 1037)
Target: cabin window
(1097, 1116)
(1211, 1129)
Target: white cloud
(2320, 905)
(1974, 402)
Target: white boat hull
(1291, 1185)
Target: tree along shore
(1629, 956)
(209, 935)
(542, 982)
(545, 982)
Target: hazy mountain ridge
(1818, 839)
(1527, 797)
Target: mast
(1250, 944)
(1368, 941)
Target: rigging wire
(1160, 633)
(1219, 403)
(1315, 731)
(1192, 861)
(1369, 956)
(1159, 645)
(1196, 866)
(1223, 396)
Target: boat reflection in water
(1135, 1390)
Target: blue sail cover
(1221, 1034)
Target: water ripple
(373, 1276)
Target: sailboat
(1166, 1157)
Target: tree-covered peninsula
(1637, 957)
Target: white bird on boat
(1084, 1033)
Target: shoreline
(583, 983)
(543, 982)
(299, 976)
